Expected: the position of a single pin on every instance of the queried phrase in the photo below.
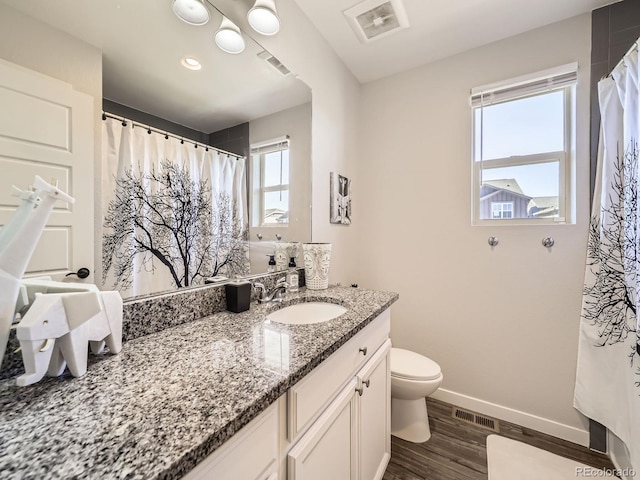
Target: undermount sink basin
(307, 313)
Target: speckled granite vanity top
(171, 398)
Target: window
(501, 209)
(271, 183)
(523, 139)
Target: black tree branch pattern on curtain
(170, 217)
(612, 256)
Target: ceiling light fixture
(191, 63)
(228, 37)
(194, 12)
(263, 17)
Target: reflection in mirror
(234, 102)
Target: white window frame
(516, 89)
(258, 153)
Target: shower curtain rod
(166, 134)
(634, 46)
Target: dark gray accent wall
(155, 122)
(614, 28)
(233, 139)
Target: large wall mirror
(247, 103)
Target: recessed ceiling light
(191, 63)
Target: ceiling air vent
(374, 19)
(274, 62)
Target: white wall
(335, 106)
(295, 122)
(35, 45)
(502, 323)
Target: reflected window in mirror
(271, 183)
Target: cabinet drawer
(307, 399)
(251, 454)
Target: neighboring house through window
(523, 139)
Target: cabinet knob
(363, 350)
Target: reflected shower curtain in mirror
(174, 214)
(608, 374)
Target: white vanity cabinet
(252, 453)
(332, 424)
(350, 438)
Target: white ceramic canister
(317, 258)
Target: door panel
(46, 128)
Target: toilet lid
(413, 366)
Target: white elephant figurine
(58, 328)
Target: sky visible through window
(523, 127)
(276, 172)
(276, 168)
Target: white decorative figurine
(58, 328)
(18, 240)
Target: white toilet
(413, 377)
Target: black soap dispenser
(271, 267)
(292, 276)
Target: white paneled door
(46, 128)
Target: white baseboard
(550, 427)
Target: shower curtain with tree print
(608, 375)
(174, 214)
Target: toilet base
(409, 420)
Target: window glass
(523, 126)
(276, 168)
(533, 180)
(276, 207)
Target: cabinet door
(374, 415)
(251, 454)
(328, 449)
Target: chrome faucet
(274, 295)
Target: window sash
(562, 157)
(261, 151)
(515, 161)
(524, 86)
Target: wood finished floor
(457, 450)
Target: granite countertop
(169, 399)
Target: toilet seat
(410, 365)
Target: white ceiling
(438, 29)
(143, 42)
